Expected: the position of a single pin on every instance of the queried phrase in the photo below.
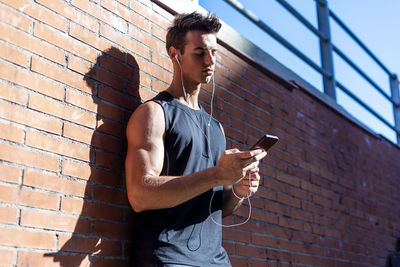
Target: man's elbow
(136, 203)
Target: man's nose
(209, 58)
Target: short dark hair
(190, 22)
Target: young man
(179, 177)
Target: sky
(375, 22)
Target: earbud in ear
(176, 57)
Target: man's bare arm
(144, 161)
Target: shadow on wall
(102, 231)
(393, 259)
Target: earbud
(176, 57)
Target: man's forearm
(159, 192)
(230, 203)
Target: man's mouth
(208, 71)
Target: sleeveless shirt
(184, 234)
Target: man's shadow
(102, 231)
(393, 259)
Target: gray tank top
(184, 234)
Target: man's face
(198, 60)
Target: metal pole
(326, 48)
(394, 87)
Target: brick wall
(72, 72)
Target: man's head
(184, 23)
(192, 44)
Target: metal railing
(326, 49)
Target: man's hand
(248, 185)
(235, 165)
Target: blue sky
(376, 24)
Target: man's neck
(192, 93)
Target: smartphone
(265, 142)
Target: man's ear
(173, 53)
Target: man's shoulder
(148, 109)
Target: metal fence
(327, 48)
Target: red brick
(93, 174)
(62, 110)
(9, 173)
(12, 93)
(7, 257)
(31, 44)
(290, 223)
(26, 239)
(64, 42)
(110, 112)
(110, 127)
(250, 251)
(111, 230)
(58, 146)
(147, 39)
(54, 221)
(101, 14)
(64, 9)
(162, 61)
(157, 86)
(243, 262)
(96, 73)
(273, 254)
(91, 209)
(236, 235)
(289, 200)
(127, 68)
(159, 33)
(76, 170)
(54, 183)
(80, 100)
(289, 179)
(123, 41)
(11, 133)
(124, 2)
(50, 259)
(29, 118)
(88, 37)
(111, 195)
(89, 245)
(264, 240)
(13, 18)
(109, 160)
(126, 14)
(59, 74)
(144, 80)
(13, 55)
(117, 98)
(78, 133)
(8, 215)
(33, 82)
(150, 14)
(29, 158)
(28, 197)
(154, 70)
(39, 13)
(107, 143)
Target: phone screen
(265, 142)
